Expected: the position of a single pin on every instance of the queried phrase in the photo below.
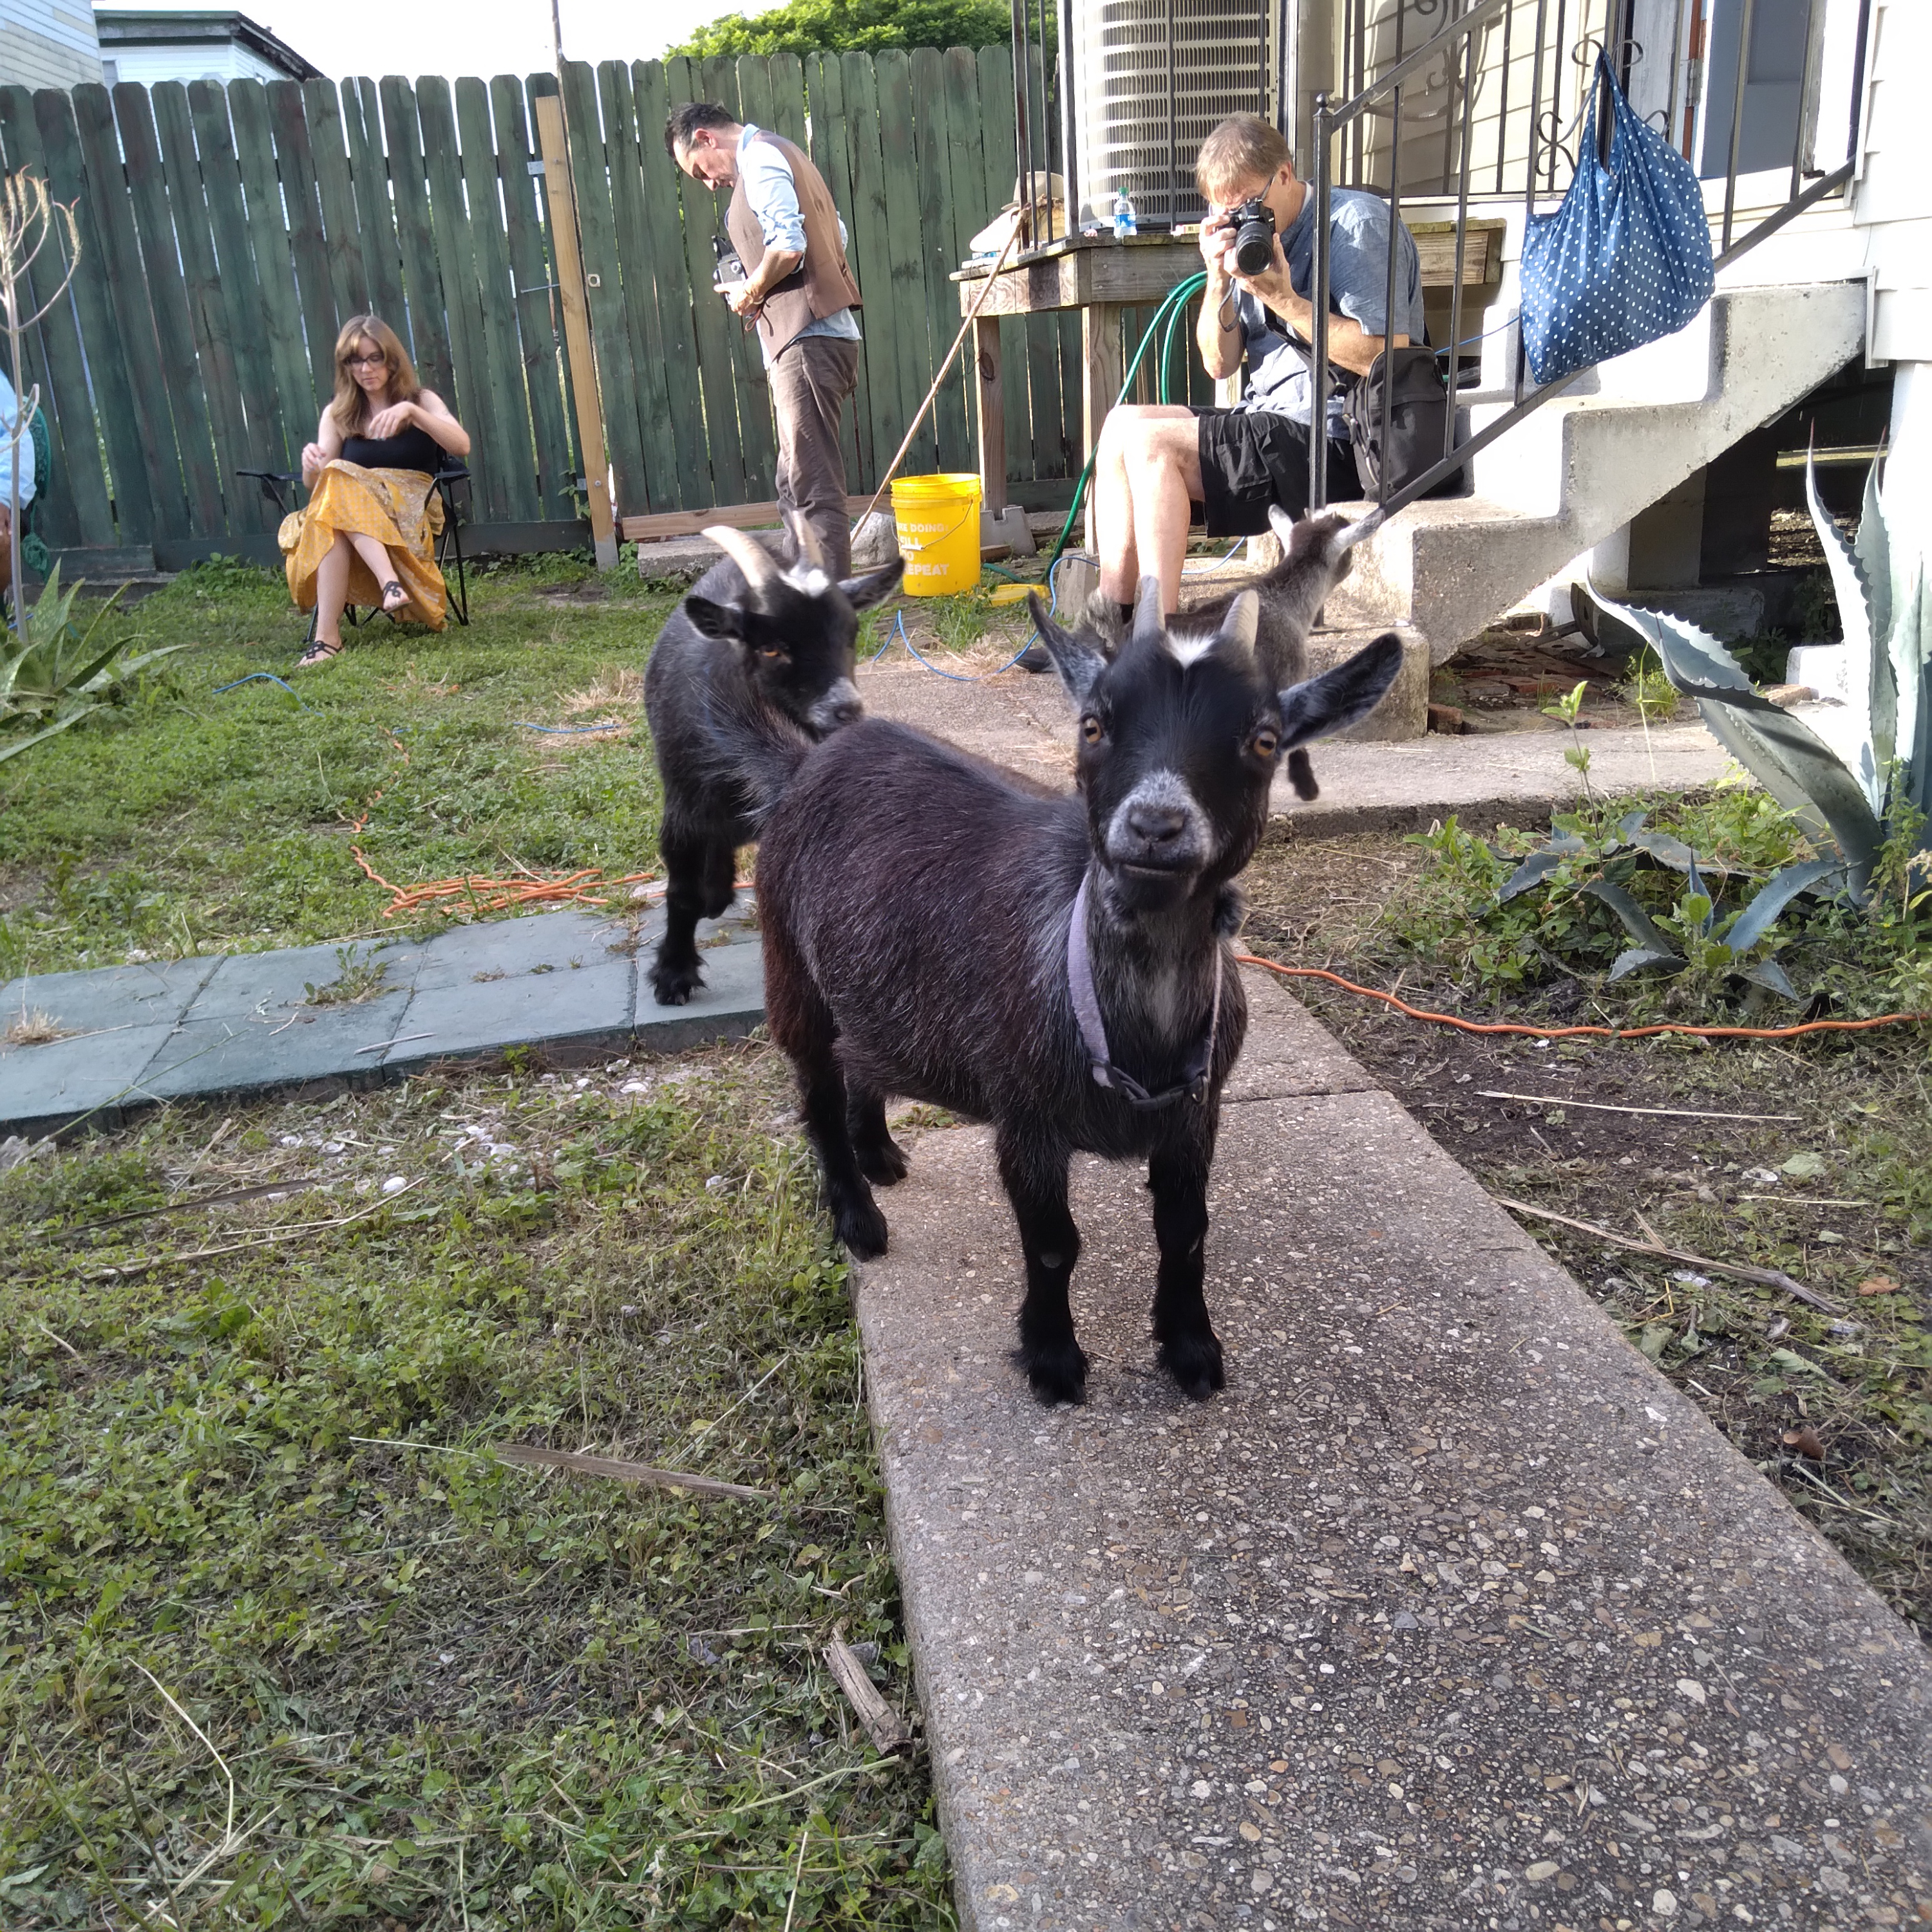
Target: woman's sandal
(319, 653)
(394, 597)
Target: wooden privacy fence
(227, 230)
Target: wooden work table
(1100, 276)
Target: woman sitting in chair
(368, 535)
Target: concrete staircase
(1577, 470)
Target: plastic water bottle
(1124, 222)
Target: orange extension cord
(482, 893)
(1572, 1032)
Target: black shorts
(1251, 458)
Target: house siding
(202, 60)
(1893, 203)
(45, 45)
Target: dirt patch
(1823, 1179)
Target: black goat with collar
(756, 657)
(917, 945)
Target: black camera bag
(1418, 410)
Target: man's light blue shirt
(773, 196)
(1278, 381)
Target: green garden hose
(1172, 309)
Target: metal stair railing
(1453, 49)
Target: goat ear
(1340, 697)
(725, 622)
(1352, 534)
(1079, 663)
(862, 593)
(1150, 618)
(1282, 525)
(1244, 619)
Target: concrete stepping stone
(253, 1027)
(1449, 1612)
(245, 1023)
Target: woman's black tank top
(415, 449)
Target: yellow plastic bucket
(938, 520)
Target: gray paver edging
(243, 1025)
(1449, 1612)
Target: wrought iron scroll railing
(1450, 98)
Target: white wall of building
(48, 42)
(1892, 205)
(199, 60)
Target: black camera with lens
(1254, 236)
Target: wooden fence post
(577, 324)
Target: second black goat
(1057, 966)
(756, 654)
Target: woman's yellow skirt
(399, 508)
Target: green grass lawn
(433, 1688)
(191, 820)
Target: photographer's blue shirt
(1279, 380)
(773, 196)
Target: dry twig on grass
(529, 1456)
(1767, 1277)
(882, 1724)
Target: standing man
(1156, 461)
(799, 290)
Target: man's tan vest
(822, 284)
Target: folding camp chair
(278, 486)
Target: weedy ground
(256, 1361)
(1829, 1179)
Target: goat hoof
(1058, 1374)
(1195, 1365)
(673, 985)
(862, 1229)
(883, 1165)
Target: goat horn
(748, 553)
(1149, 620)
(1355, 533)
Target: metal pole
(1462, 232)
(1737, 121)
(1529, 172)
(1318, 296)
(1023, 136)
(1388, 286)
(1173, 155)
(1502, 105)
(1069, 151)
(1803, 107)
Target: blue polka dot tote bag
(1626, 259)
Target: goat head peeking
(752, 667)
(1179, 736)
(796, 629)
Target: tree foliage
(846, 26)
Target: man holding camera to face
(785, 271)
(1156, 461)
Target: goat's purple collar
(1094, 1034)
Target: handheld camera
(1254, 236)
(726, 267)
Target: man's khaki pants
(810, 380)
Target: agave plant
(1884, 603)
(1706, 940)
(52, 675)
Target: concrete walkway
(566, 983)
(1025, 722)
(1449, 1612)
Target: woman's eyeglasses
(377, 360)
